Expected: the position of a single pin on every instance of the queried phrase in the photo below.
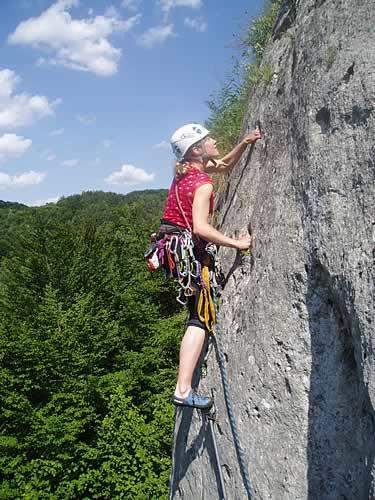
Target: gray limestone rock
(297, 317)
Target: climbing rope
(232, 419)
(217, 339)
(211, 416)
(171, 477)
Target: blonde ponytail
(181, 168)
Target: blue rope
(232, 419)
(229, 405)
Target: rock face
(297, 318)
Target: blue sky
(91, 91)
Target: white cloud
(13, 146)
(167, 5)
(86, 119)
(156, 35)
(80, 44)
(70, 163)
(197, 24)
(112, 12)
(162, 145)
(56, 132)
(132, 5)
(128, 174)
(39, 203)
(107, 143)
(51, 157)
(8, 81)
(26, 179)
(17, 110)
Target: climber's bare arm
(226, 163)
(201, 227)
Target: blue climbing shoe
(193, 400)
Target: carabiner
(178, 298)
(195, 269)
(173, 244)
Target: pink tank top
(186, 186)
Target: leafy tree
(88, 347)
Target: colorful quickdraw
(206, 308)
(176, 255)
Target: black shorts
(192, 306)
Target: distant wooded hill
(11, 204)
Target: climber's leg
(190, 351)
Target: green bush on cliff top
(229, 105)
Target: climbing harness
(190, 261)
(176, 255)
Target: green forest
(88, 346)
(89, 339)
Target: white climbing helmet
(187, 136)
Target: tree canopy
(88, 346)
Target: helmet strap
(205, 156)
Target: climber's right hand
(244, 242)
(253, 137)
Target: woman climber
(186, 242)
